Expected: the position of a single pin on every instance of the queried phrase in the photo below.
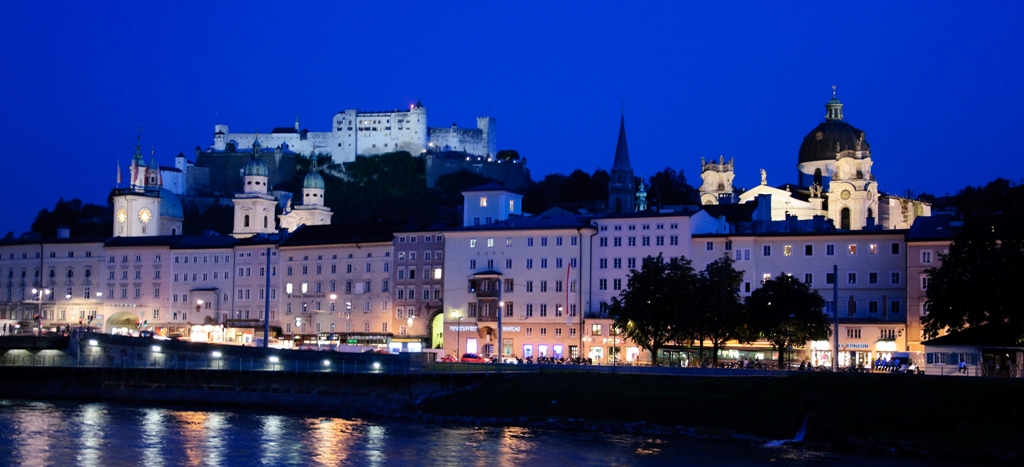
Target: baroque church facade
(835, 182)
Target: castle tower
(254, 208)
(312, 210)
(717, 182)
(620, 189)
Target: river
(36, 433)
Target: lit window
(483, 201)
(787, 250)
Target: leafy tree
(85, 220)
(720, 314)
(978, 280)
(657, 301)
(599, 181)
(575, 187)
(786, 312)
(668, 187)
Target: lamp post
(38, 294)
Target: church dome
(256, 167)
(822, 142)
(313, 180)
(170, 205)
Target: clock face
(145, 216)
(122, 215)
(845, 194)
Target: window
(766, 250)
(543, 286)
(872, 248)
(508, 241)
(873, 306)
(617, 284)
(617, 241)
(894, 307)
(895, 278)
(852, 249)
(472, 264)
(830, 278)
(645, 241)
(787, 250)
(808, 250)
(709, 246)
(830, 250)
(925, 281)
(529, 241)
(603, 241)
(543, 241)
(895, 248)
(631, 263)
(490, 243)
(543, 313)
(603, 263)
(558, 241)
(617, 263)
(659, 240)
(872, 278)
(543, 263)
(529, 314)
(853, 333)
(631, 241)
(572, 241)
(529, 263)
(558, 286)
(808, 278)
(529, 286)
(674, 240)
(472, 243)
(602, 284)
(852, 278)
(926, 257)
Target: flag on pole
(119, 173)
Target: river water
(34, 433)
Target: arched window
(174, 231)
(618, 205)
(245, 221)
(817, 176)
(871, 213)
(264, 222)
(844, 219)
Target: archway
(121, 322)
(435, 328)
(844, 219)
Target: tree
(720, 317)
(978, 280)
(668, 187)
(85, 220)
(450, 186)
(654, 306)
(507, 155)
(786, 312)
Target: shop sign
(510, 328)
(462, 328)
(856, 346)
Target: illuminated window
(483, 201)
(787, 250)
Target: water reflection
(64, 434)
(153, 435)
(92, 419)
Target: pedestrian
(963, 367)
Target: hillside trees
(85, 220)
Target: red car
(473, 358)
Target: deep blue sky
(936, 86)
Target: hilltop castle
(354, 132)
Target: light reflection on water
(109, 435)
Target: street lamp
(39, 306)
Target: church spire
(622, 149)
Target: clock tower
(138, 208)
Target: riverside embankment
(969, 418)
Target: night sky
(935, 86)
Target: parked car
(450, 358)
(473, 358)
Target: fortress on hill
(354, 132)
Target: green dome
(313, 180)
(256, 167)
